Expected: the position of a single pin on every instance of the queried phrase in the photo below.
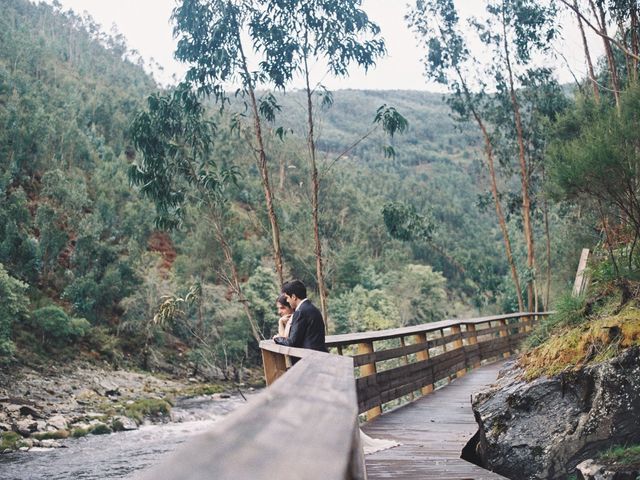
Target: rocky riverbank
(40, 407)
(545, 428)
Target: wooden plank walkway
(432, 430)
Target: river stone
(121, 422)
(50, 443)
(26, 410)
(58, 422)
(5, 427)
(543, 429)
(590, 470)
(25, 427)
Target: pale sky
(146, 25)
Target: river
(122, 454)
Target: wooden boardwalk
(432, 430)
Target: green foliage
(360, 310)
(594, 160)
(569, 311)
(9, 440)
(13, 308)
(56, 327)
(147, 407)
(100, 429)
(621, 454)
(404, 223)
(79, 432)
(418, 293)
(261, 293)
(175, 140)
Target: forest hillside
(407, 238)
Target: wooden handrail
(302, 427)
(426, 355)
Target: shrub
(13, 306)
(57, 327)
(100, 429)
(148, 407)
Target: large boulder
(543, 429)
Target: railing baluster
(422, 355)
(457, 330)
(504, 333)
(367, 370)
(473, 340)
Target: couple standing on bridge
(301, 326)
(305, 328)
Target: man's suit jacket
(307, 329)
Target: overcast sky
(146, 25)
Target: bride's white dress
(371, 445)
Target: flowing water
(118, 455)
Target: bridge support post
(365, 371)
(504, 333)
(275, 365)
(422, 355)
(473, 340)
(456, 330)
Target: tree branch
(598, 32)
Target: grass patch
(10, 440)
(148, 407)
(570, 311)
(55, 435)
(628, 455)
(572, 347)
(79, 432)
(202, 389)
(100, 429)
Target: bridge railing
(304, 427)
(410, 361)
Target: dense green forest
(90, 267)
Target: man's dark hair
(295, 287)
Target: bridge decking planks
(433, 430)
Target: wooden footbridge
(412, 385)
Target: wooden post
(504, 333)
(473, 340)
(456, 330)
(423, 355)
(581, 279)
(365, 371)
(274, 365)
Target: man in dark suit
(307, 326)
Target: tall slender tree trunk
(547, 235)
(635, 41)
(488, 148)
(315, 188)
(264, 170)
(524, 174)
(613, 70)
(587, 54)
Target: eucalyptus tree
(211, 40)
(450, 63)
(302, 34)
(515, 32)
(602, 17)
(175, 138)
